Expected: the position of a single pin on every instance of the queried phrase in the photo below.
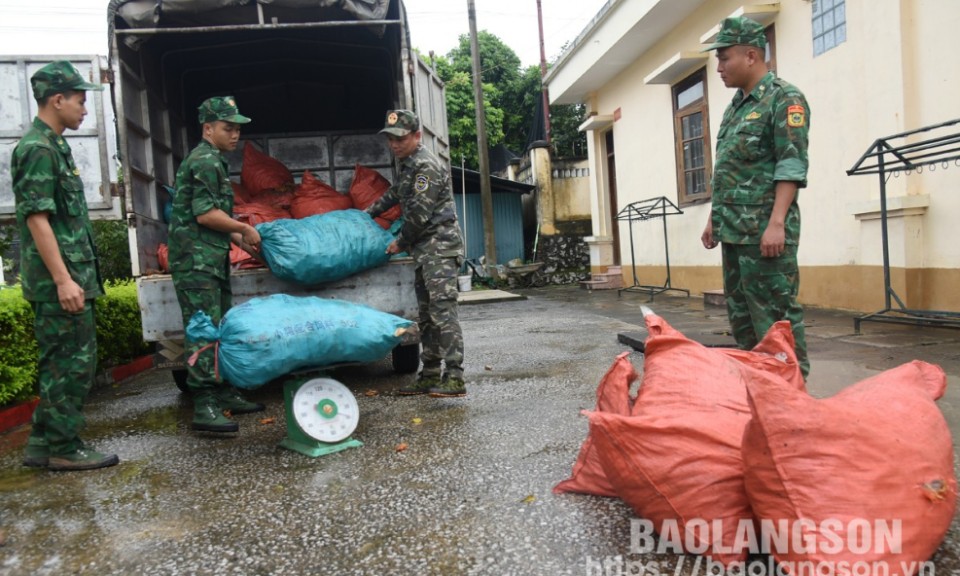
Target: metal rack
(939, 148)
(641, 211)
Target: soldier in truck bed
(431, 235)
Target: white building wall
(893, 73)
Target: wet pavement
(469, 494)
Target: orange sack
(613, 396)
(876, 453)
(314, 196)
(261, 173)
(254, 213)
(676, 458)
(367, 187)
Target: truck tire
(180, 378)
(406, 358)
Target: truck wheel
(406, 358)
(180, 378)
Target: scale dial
(325, 410)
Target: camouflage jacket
(202, 185)
(762, 140)
(430, 218)
(45, 179)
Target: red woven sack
(314, 196)
(367, 187)
(261, 173)
(240, 259)
(163, 257)
(677, 458)
(880, 451)
(254, 213)
(240, 194)
(613, 396)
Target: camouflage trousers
(213, 296)
(440, 334)
(761, 291)
(67, 366)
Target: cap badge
(392, 118)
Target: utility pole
(486, 196)
(543, 74)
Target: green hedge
(119, 337)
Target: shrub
(113, 249)
(119, 332)
(119, 337)
(18, 347)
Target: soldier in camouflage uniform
(431, 235)
(761, 162)
(59, 270)
(200, 232)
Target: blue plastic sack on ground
(265, 338)
(325, 247)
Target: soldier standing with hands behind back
(201, 229)
(761, 163)
(431, 235)
(59, 270)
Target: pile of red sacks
(267, 191)
(719, 442)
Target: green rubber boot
(208, 415)
(229, 399)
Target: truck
(316, 76)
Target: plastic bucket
(463, 283)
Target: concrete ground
(469, 494)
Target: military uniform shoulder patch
(796, 116)
(421, 183)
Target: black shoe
(82, 459)
(449, 388)
(421, 386)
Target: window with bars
(829, 24)
(691, 132)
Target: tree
(510, 99)
(568, 141)
(461, 109)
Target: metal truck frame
(316, 81)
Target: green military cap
(221, 108)
(58, 77)
(739, 31)
(400, 123)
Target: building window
(829, 24)
(691, 131)
(770, 55)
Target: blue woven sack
(265, 338)
(325, 247)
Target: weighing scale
(321, 415)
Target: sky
(79, 27)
